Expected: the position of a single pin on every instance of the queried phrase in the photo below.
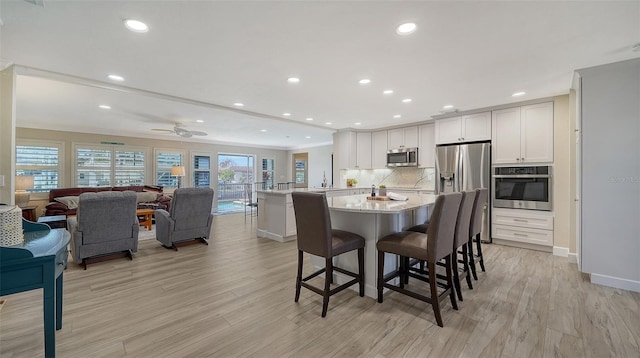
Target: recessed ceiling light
(387, 91)
(406, 28)
(328, 123)
(115, 78)
(308, 137)
(136, 25)
(293, 80)
(286, 114)
(518, 94)
(449, 106)
(309, 119)
(199, 121)
(397, 116)
(238, 104)
(263, 130)
(358, 123)
(364, 81)
(406, 100)
(104, 106)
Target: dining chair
(315, 236)
(476, 229)
(435, 245)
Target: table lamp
(23, 182)
(178, 171)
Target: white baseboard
(560, 251)
(573, 258)
(272, 236)
(615, 282)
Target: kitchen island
(372, 219)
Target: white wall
(610, 172)
(319, 164)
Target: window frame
(43, 195)
(262, 171)
(112, 167)
(156, 169)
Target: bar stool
(461, 240)
(316, 237)
(435, 245)
(475, 230)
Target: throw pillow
(146, 196)
(70, 201)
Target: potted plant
(383, 190)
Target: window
(268, 173)
(109, 166)
(201, 171)
(43, 161)
(300, 168)
(164, 161)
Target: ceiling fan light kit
(182, 132)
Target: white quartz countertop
(359, 203)
(324, 190)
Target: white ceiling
(199, 57)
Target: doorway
(301, 170)
(234, 171)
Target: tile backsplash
(419, 178)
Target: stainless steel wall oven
(523, 187)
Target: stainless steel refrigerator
(461, 167)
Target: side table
(29, 213)
(39, 262)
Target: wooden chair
(316, 237)
(432, 247)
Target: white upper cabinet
(363, 150)
(537, 133)
(406, 137)
(379, 149)
(467, 128)
(344, 150)
(426, 148)
(523, 134)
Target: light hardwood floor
(235, 298)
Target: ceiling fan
(185, 133)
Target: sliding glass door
(234, 171)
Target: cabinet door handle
(521, 220)
(517, 159)
(518, 234)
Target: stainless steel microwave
(523, 187)
(402, 157)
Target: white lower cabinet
(525, 226)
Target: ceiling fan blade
(186, 134)
(162, 130)
(197, 133)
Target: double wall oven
(522, 187)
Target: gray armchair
(188, 219)
(105, 227)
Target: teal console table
(38, 263)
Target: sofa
(65, 201)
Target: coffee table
(145, 217)
(54, 221)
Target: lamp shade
(24, 182)
(177, 171)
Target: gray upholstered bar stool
(475, 229)
(435, 245)
(316, 237)
(461, 241)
